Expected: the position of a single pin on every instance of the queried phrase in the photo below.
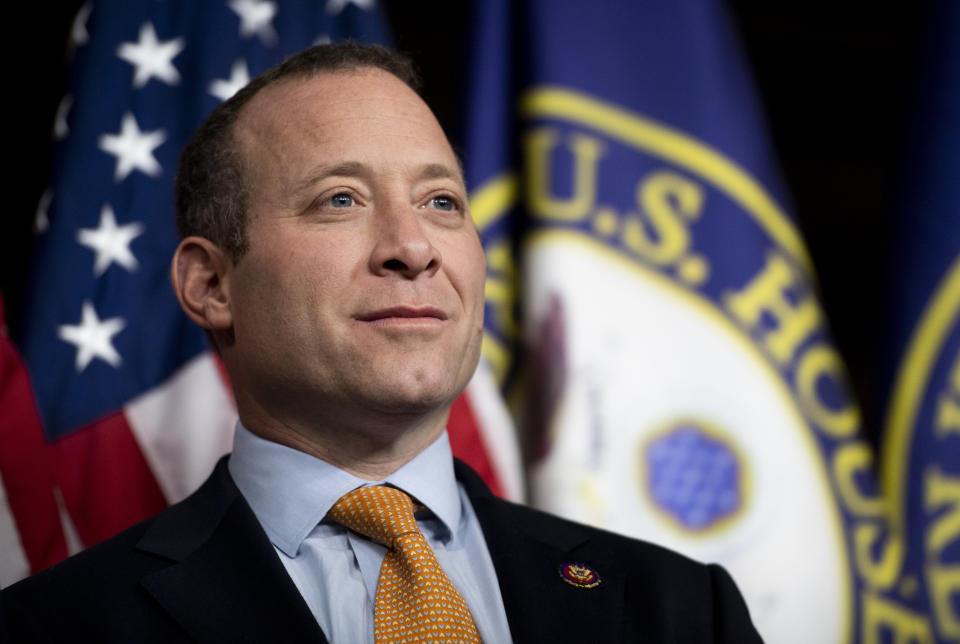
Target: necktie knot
(416, 601)
(381, 513)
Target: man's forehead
(328, 112)
(310, 94)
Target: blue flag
(145, 76)
(133, 406)
(921, 446)
(651, 305)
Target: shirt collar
(290, 491)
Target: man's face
(362, 289)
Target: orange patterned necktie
(415, 602)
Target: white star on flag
(152, 58)
(336, 6)
(133, 148)
(225, 88)
(60, 127)
(93, 337)
(256, 17)
(110, 242)
(78, 31)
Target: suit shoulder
(74, 593)
(537, 522)
(112, 567)
(666, 595)
(107, 576)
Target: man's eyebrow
(441, 171)
(345, 169)
(358, 169)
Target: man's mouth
(405, 314)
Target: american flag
(112, 406)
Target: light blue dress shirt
(336, 570)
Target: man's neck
(372, 449)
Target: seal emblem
(580, 575)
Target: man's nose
(402, 246)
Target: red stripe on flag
(467, 443)
(106, 482)
(26, 463)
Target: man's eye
(341, 200)
(443, 203)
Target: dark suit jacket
(204, 570)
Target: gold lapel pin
(580, 575)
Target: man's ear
(199, 275)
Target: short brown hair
(210, 194)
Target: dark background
(838, 85)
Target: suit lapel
(528, 550)
(226, 582)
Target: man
(328, 250)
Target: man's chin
(406, 403)
(412, 397)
